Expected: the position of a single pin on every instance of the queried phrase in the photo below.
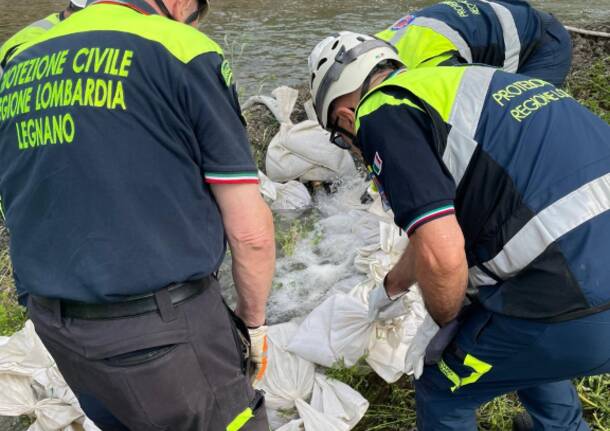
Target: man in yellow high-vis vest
(501, 181)
(508, 34)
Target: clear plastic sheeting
(300, 151)
(32, 385)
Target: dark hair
(382, 66)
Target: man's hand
(440, 267)
(258, 353)
(249, 227)
(382, 306)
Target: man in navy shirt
(502, 182)
(125, 169)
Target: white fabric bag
(284, 197)
(337, 399)
(300, 151)
(30, 384)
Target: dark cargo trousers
(495, 355)
(180, 371)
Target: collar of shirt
(137, 5)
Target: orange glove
(258, 353)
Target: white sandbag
(281, 104)
(314, 420)
(289, 196)
(30, 384)
(300, 151)
(267, 187)
(337, 399)
(288, 377)
(337, 330)
(292, 195)
(303, 152)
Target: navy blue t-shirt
(398, 145)
(112, 127)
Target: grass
(591, 86)
(289, 230)
(12, 316)
(392, 406)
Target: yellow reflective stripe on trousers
(479, 368)
(240, 420)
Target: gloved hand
(258, 353)
(382, 307)
(416, 353)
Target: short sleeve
(213, 109)
(398, 145)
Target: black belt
(130, 307)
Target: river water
(268, 41)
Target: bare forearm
(249, 226)
(253, 268)
(443, 290)
(440, 266)
(402, 276)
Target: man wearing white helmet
(480, 169)
(36, 29)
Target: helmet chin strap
(164, 9)
(190, 19)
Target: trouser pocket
(165, 386)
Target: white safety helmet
(340, 64)
(78, 4)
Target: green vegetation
(393, 406)
(289, 230)
(12, 316)
(591, 86)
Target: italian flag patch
(231, 177)
(428, 216)
(377, 164)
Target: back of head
(340, 64)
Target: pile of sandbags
(32, 386)
(298, 397)
(300, 151)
